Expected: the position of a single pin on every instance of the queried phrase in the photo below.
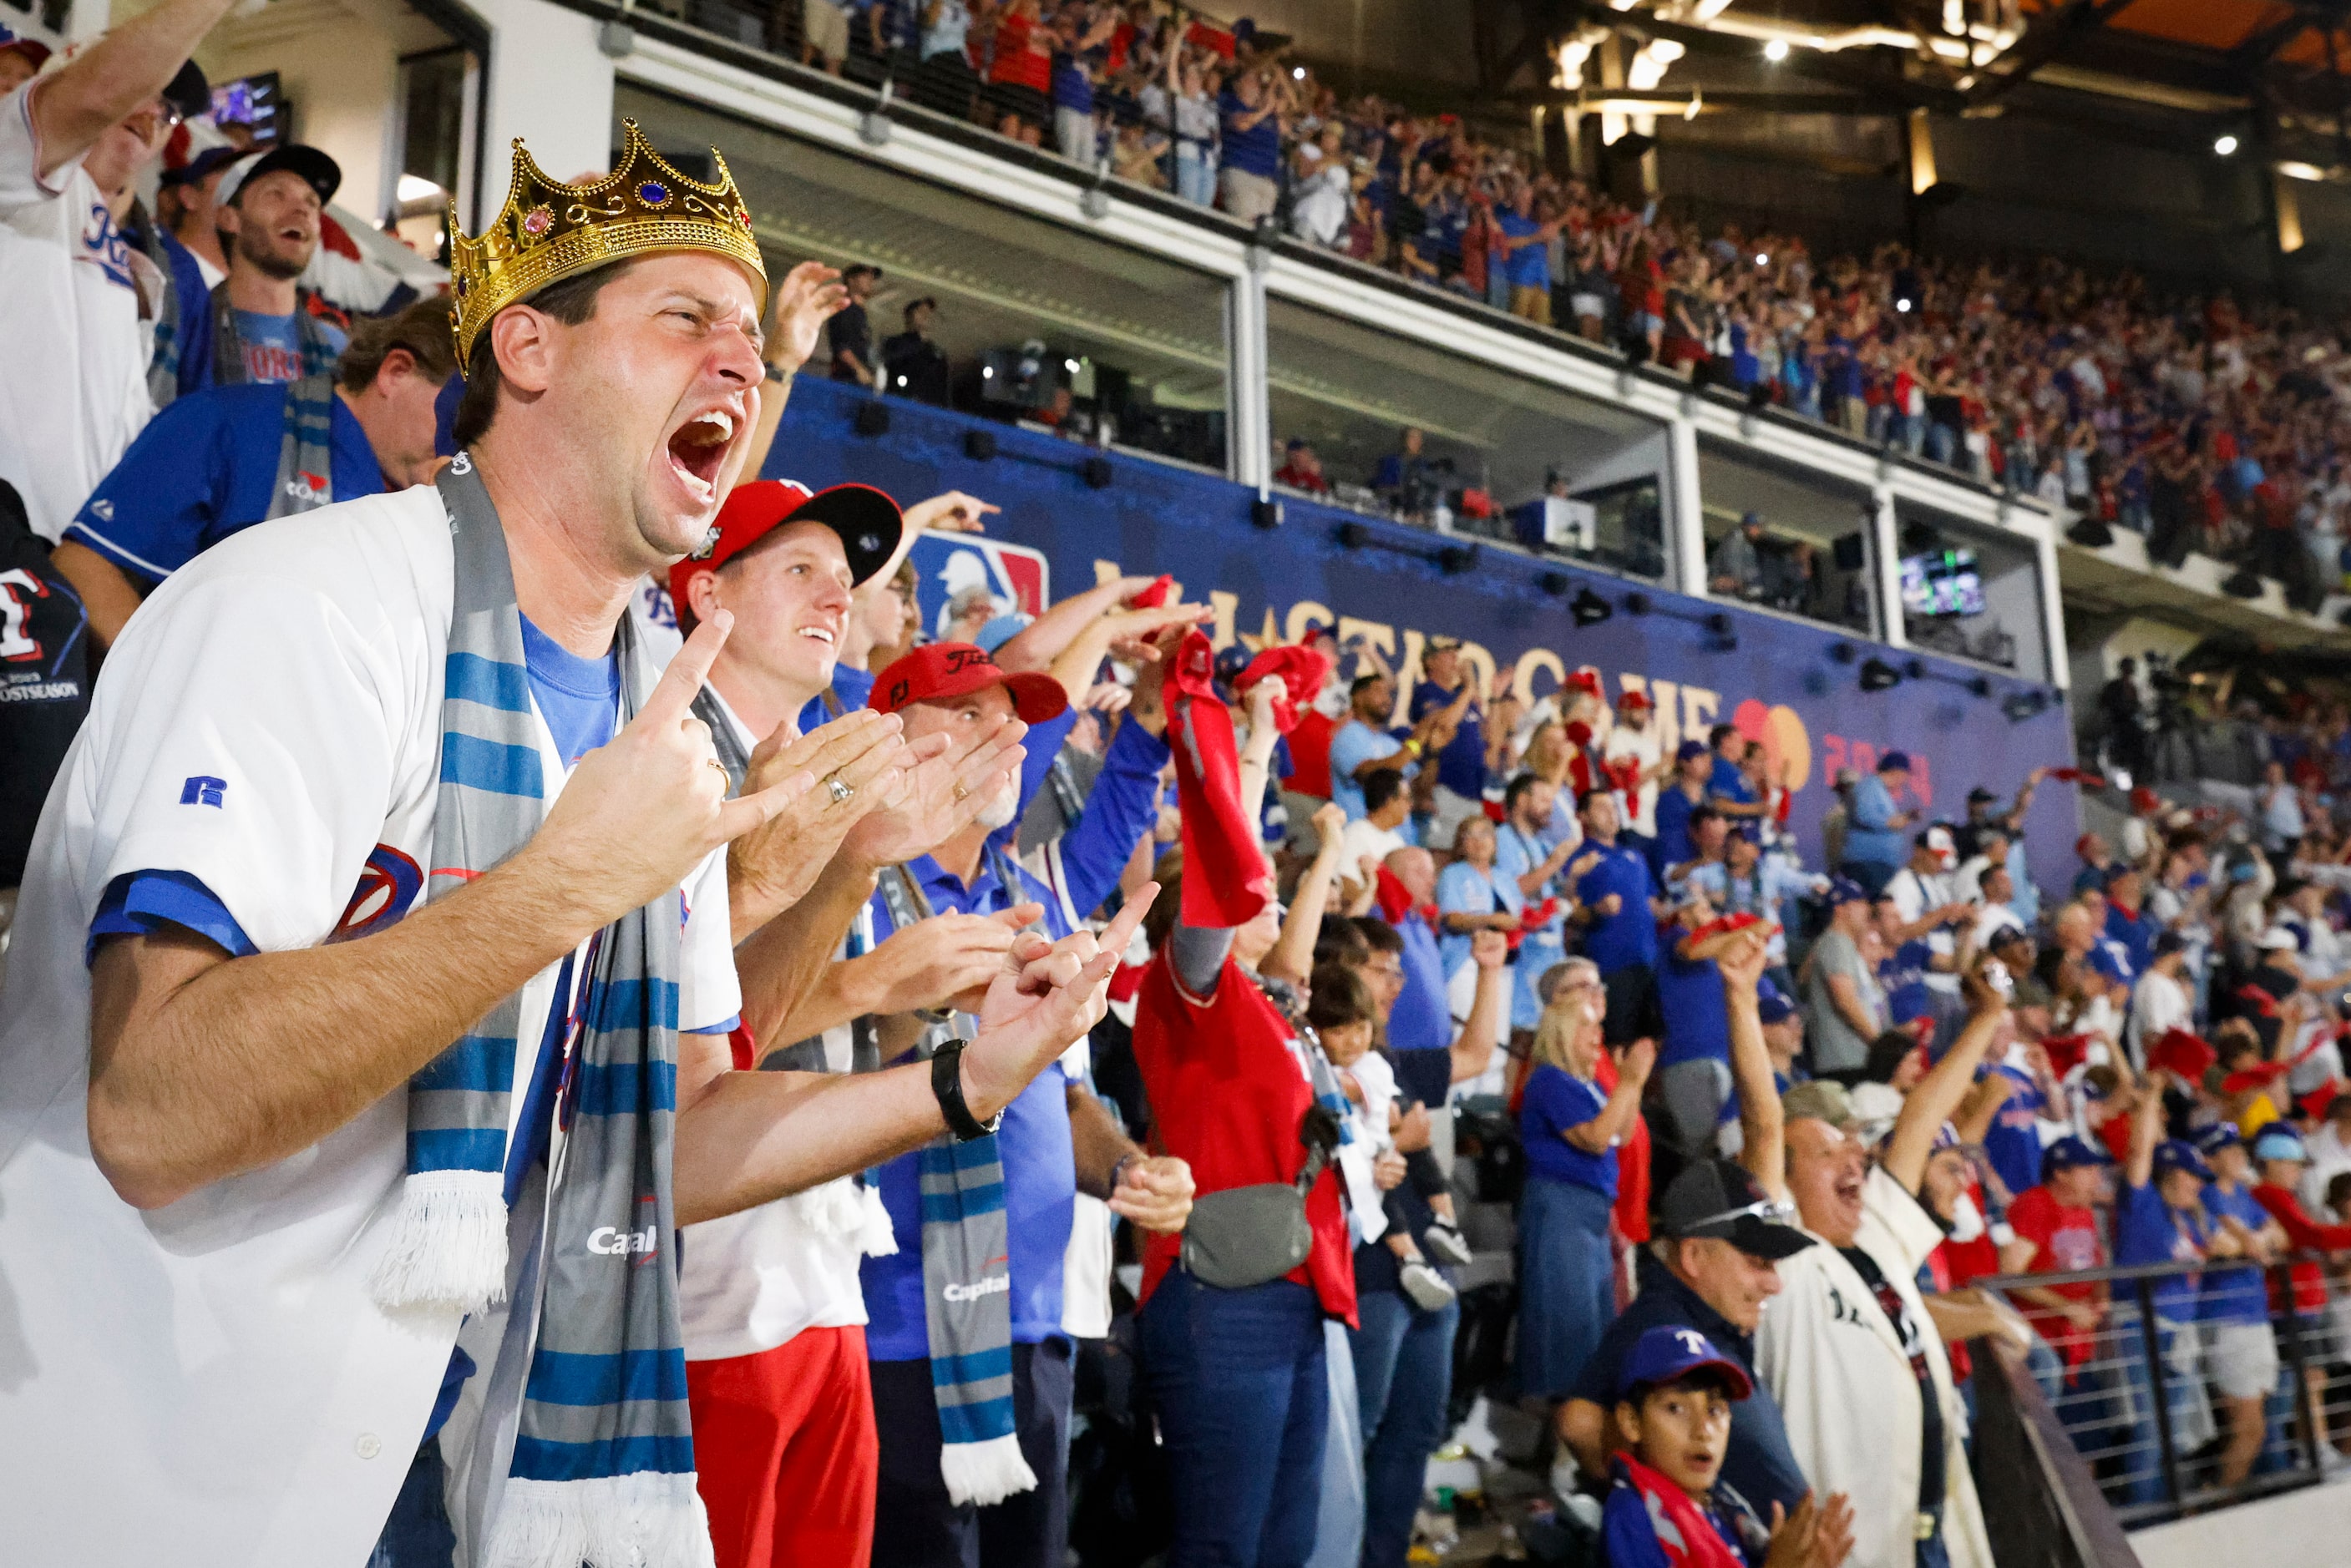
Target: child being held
(1669, 1508)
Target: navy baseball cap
(2176, 1154)
(1689, 749)
(2069, 1153)
(1893, 762)
(196, 167)
(1846, 890)
(2216, 1137)
(2278, 1141)
(1772, 1003)
(1667, 1354)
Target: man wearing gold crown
(338, 1054)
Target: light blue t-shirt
(1355, 745)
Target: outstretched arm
(1762, 1129)
(72, 106)
(747, 1138)
(1939, 1094)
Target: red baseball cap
(1632, 697)
(867, 521)
(955, 669)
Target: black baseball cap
(312, 167)
(187, 92)
(1715, 1198)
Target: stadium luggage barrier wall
(1072, 513)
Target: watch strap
(947, 1087)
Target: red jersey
(2307, 1236)
(1229, 1097)
(2064, 1239)
(1309, 755)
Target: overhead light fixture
(1902, 306)
(1298, 73)
(417, 188)
(1877, 675)
(2291, 169)
(1762, 258)
(2225, 145)
(1590, 609)
(1776, 50)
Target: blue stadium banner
(1784, 683)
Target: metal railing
(2145, 1398)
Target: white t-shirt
(74, 388)
(1913, 896)
(756, 1279)
(2158, 1004)
(269, 725)
(1647, 745)
(1362, 841)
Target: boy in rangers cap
(1668, 1507)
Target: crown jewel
(549, 231)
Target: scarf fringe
(448, 1244)
(649, 1519)
(986, 1473)
(877, 1238)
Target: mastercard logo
(1786, 743)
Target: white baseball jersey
(213, 1373)
(76, 387)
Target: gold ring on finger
(961, 792)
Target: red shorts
(785, 1451)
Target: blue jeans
(1403, 1375)
(417, 1533)
(1244, 1405)
(1196, 173)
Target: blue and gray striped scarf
(603, 1458)
(966, 1266)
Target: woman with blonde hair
(1570, 1127)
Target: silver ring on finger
(840, 791)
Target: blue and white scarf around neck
(603, 1460)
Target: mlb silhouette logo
(202, 790)
(946, 565)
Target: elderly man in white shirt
(1849, 1349)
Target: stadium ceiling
(2283, 62)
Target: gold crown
(549, 231)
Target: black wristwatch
(946, 1084)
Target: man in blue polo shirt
(1251, 114)
(1616, 905)
(1055, 1139)
(1461, 763)
(221, 460)
(1875, 844)
(1529, 257)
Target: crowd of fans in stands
(1848, 1089)
(2197, 421)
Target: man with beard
(950, 1493)
(260, 324)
